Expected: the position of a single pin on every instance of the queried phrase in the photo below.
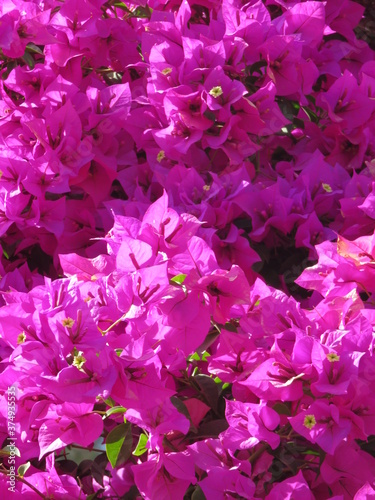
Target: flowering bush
(187, 210)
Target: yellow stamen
(216, 92)
(332, 357)
(309, 421)
(21, 338)
(68, 322)
(161, 156)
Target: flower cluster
(187, 249)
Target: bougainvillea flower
(72, 424)
(293, 488)
(348, 470)
(167, 170)
(220, 91)
(345, 103)
(306, 19)
(220, 483)
(321, 423)
(249, 424)
(164, 476)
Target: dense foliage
(187, 209)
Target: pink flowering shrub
(187, 196)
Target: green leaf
(181, 408)
(141, 446)
(120, 5)
(230, 327)
(208, 389)
(281, 409)
(311, 99)
(34, 49)
(132, 494)
(198, 494)
(5, 452)
(109, 402)
(115, 409)
(21, 471)
(194, 357)
(28, 59)
(298, 123)
(289, 108)
(218, 381)
(313, 117)
(197, 357)
(142, 12)
(9, 249)
(118, 444)
(205, 355)
(208, 341)
(296, 105)
(256, 67)
(180, 278)
(244, 223)
(212, 428)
